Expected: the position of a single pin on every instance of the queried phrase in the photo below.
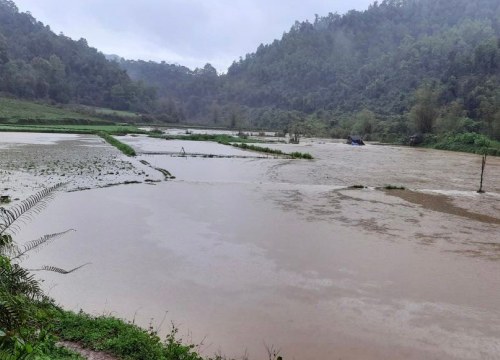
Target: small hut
(355, 140)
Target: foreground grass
(117, 337)
(50, 324)
(32, 325)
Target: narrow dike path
(86, 353)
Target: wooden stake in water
(483, 164)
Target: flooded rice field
(186, 131)
(245, 253)
(30, 162)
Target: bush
(465, 142)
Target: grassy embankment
(124, 148)
(122, 339)
(266, 150)
(239, 142)
(37, 338)
(20, 112)
(73, 129)
(25, 116)
(219, 138)
(104, 131)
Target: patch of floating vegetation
(393, 187)
(354, 187)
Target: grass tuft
(357, 187)
(13, 111)
(299, 155)
(394, 187)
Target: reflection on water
(279, 251)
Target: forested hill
(398, 67)
(376, 58)
(382, 65)
(35, 63)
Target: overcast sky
(187, 32)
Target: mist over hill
(368, 72)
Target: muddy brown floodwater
(240, 253)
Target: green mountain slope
(375, 71)
(35, 63)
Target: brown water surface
(247, 252)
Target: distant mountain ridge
(376, 60)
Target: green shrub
(465, 142)
(299, 155)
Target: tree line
(37, 64)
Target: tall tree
(425, 111)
